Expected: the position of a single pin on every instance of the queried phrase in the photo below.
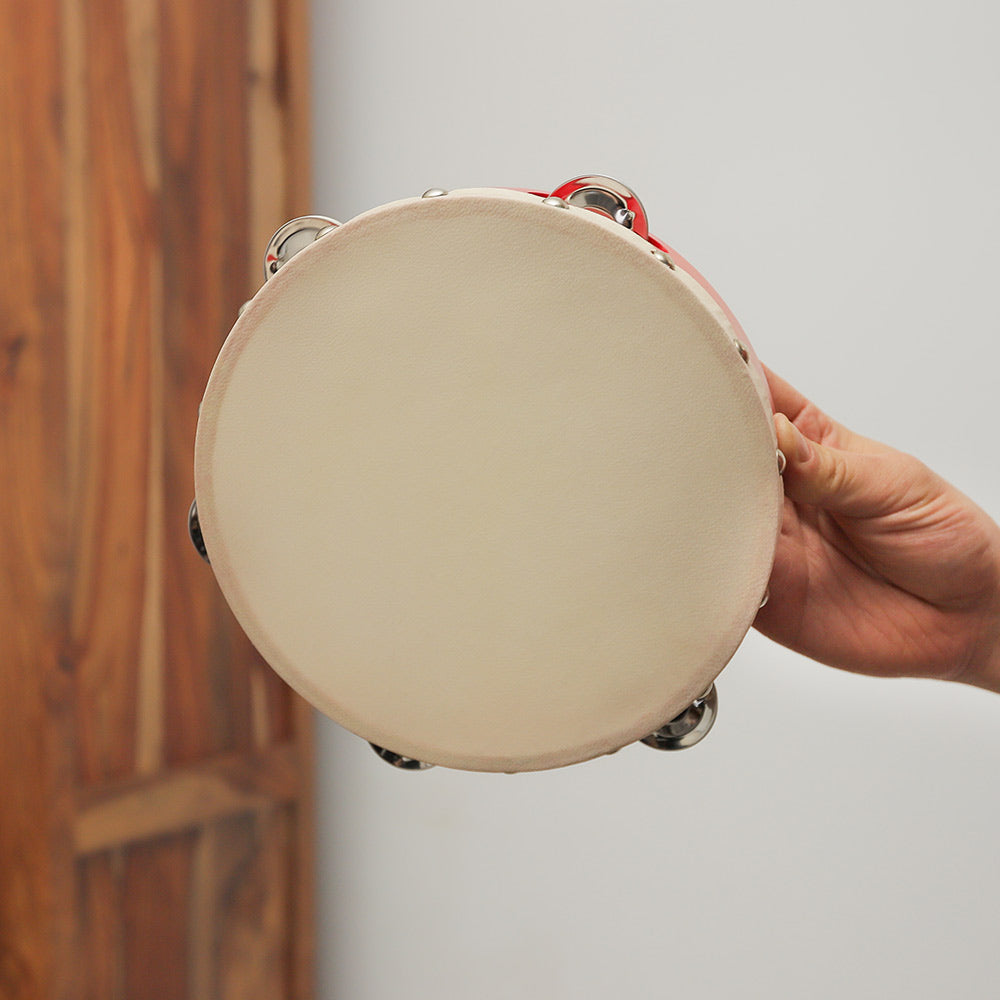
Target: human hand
(882, 567)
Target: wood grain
(112, 231)
(205, 248)
(102, 968)
(156, 886)
(35, 861)
(250, 905)
(156, 824)
(148, 808)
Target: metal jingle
(604, 200)
(743, 351)
(689, 727)
(398, 760)
(555, 202)
(292, 237)
(434, 193)
(607, 197)
(194, 531)
(782, 461)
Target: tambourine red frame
(628, 212)
(641, 228)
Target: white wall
(833, 168)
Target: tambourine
(490, 477)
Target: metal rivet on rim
(663, 258)
(434, 193)
(781, 461)
(625, 217)
(742, 349)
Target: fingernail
(803, 446)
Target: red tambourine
(490, 477)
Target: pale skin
(882, 567)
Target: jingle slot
(398, 760)
(689, 727)
(608, 197)
(194, 532)
(293, 237)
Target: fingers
(831, 467)
(814, 422)
(786, 398)
(855, 484)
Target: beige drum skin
(489, 482)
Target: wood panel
(156, 825)
(35, 665)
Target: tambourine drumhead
(487, 482)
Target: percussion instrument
(490, 477)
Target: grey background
(832, 168)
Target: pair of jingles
(490, 477)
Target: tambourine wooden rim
(490, 479)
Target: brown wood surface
(156, 821)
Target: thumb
(855, 484)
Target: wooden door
(155, 776)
